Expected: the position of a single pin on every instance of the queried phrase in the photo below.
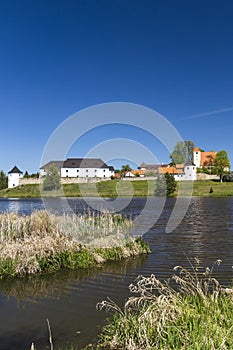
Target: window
(187, 168)
(67, 170)
(87, 170)
(77, 175)
(77, 170)
(196, 152)
(104, 175)
(95, 170)
(104, 170)
(86, 175)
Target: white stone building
(81, 167)
(14, 175)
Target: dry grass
(45, 241)
(195, 315)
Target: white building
(81, 167)
(13, 177)
(181, 172)
(189, 173)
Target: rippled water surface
(68, 298)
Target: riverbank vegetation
(120, 188)
(191, 311)
(47, 242)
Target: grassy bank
(114, 188)
(47, 242)
(111, 188)
(196, 315)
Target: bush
(165, 185)
(228, 178)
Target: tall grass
(45, 242)
(193, 314)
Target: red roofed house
(203, 159)
(181, 172)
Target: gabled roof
(189, 163)
(57, 163)
(78, 163)
(84, 163)
(170, 170)
(207, 157)
(15, 170)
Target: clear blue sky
(58, 57)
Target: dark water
(68, 298)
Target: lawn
(119, 188)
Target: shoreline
(126, 189)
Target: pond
(68, 298)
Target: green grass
(116, 188)
(202, 188)
(196, 315)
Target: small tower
(197, 157)
(13, 177)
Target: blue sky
(58, 57)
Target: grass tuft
(195, 314)
(47, 242)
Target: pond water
(68, 298)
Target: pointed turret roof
(15, 170)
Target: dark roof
(111, 168)
(57, 163)
(78, 163)
(84, 163)
(189, 163)
(152, 166)
(15, 170)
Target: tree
(221, 164)
(26, 175)
(190, 146)
(183, 151)
(52, 179)
(3, 180)
(165, 185)
(125, 169)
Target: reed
(44, 241)
(194, 314)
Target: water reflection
(68, 298)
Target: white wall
(86, 172)
(197, 158)
(13, 179)
(190, 173)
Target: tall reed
(45, 241)
(194, 314)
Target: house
(129, 174)
(80, 167)
(181, 172)
(139, 172)
(13, 177)
(203, 159)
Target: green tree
(165, 185)
(52, 179)
(3, 180)
(221, 164)
(183, 151)
(125, 169)
(26, 175)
